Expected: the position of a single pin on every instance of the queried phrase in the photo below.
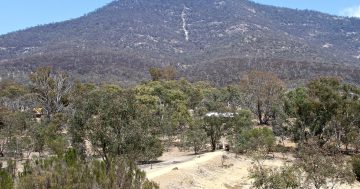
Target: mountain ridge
(122, 40)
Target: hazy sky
(20, 14)
(336, 7)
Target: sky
(349, 8)
(21, 14)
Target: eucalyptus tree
(239, 123)
(262, 94)
(116, 125)
(195, 137)
(326, 109)
(170, 101)
(51, 90)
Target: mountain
(217, 40)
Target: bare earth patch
(182, 170)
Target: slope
(119, 42)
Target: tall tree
(115, 124)
(214, 127)
(241, 122)
(51, 90)
(170, 101)
(262, 93)
(326, 109)
(195, 137)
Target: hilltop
(217, 40)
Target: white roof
(217, 114)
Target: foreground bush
(314, 168)
(6, 181)
(70, 172)
(356, 167)
(54, 174)
(276, 178)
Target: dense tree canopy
(83, 135)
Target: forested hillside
(121, 41)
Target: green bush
(6, 181)
(356, 167)
(255, 139)
(55, 173)
(275, 178)
(70, 157)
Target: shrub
(6, 181)
(255, 139)
(56, 173)
(356, 167)
(276, 178)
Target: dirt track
(180, 162)
(205, 171)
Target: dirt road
(183, 170)
(180, 162)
